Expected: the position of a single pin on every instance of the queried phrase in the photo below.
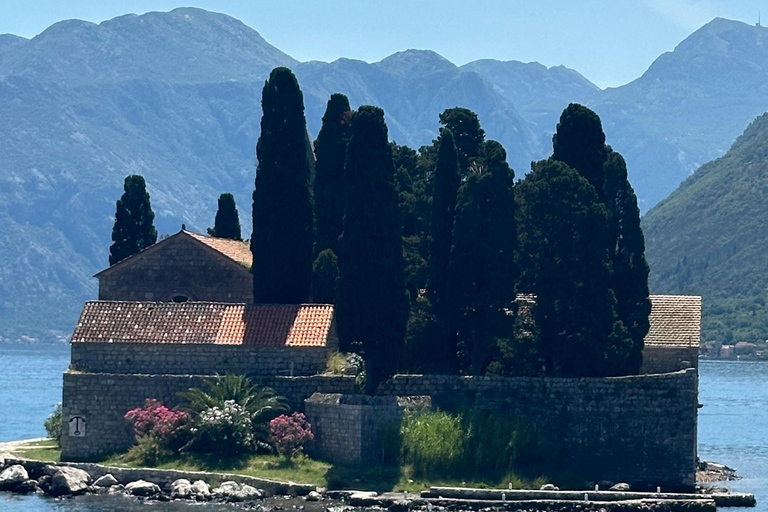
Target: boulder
(181, 489)
(142, 488)
(621, 486)
(106, 481)
(26, 487)
(116, 489)
(44, 483)
(12, 477)
(69, 480)
(314, 496)
(363, 498)
(400, 506)
(201, 490)
(549, 487)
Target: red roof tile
(236, 250)
(298, 325)
(675, 321)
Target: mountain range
(175, 97)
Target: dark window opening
(180, 298)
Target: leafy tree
(469, 137)
(629, 279)
(227, 222)
(564, 233)
(330, 152)
(282, 206)
(483, 271)
(579, 142)
(134, 227)
(325, 272)
(372, 305)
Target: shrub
(290, 433)
(156, 420)
(226, 430)
(149, 451)
(433, 442)
(53, 424)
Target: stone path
(7, 448)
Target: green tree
(282, 241)
(469, 136)
(134, 227)
(483, 270)
(330, 152)
(371, 305)
(579, 142)
(227, 222)
(563, 234)
(325, 272)
(629, 279)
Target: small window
(180, 298)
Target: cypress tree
(483, 270)
(227, 222)
(134, 221)
(579, 142)
(468, 134)
(372, 305)
(629, 279)
(564, 233)
(330, 152)
(325, 272)
(282, 206)
(446, 185)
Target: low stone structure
(184, 266)
(674, 337)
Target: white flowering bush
(226, 430)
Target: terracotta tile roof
(675, 321)
(236, 250)
(296, 325)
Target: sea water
(733, 424)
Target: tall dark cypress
(330, 152)
(579, 142)
(227, 222)
(469, 136)
(282, 205)
(371, 305)
(629, 278)
(134, 227)
(483, 270)
(564, 233)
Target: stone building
(674, 337)
(184, 266)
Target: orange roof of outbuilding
(294, 325)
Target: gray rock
(26, 487)
(248, 493)
(12, 477)
(314, 496)
(142, 488)
(549, 487)
(226, 488)
(116, 489)
(105, 481)
(620, 487)
(201, 490)
(69, 480)
(400, 506)
(363, 498)
(181, 489)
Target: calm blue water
(733, 424)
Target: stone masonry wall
(102, 399)
(665, 359)
(183, 359)
(349, 428)
(636, 429)
(182, 266)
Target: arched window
(179, 298)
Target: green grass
(46, 450)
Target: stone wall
(349, 428)
(181, 266)
(101, 400)
(669, 359)
(636, 429)
(200, 358)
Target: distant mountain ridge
(175, 96)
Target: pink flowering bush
(156, 420)
(290, 433)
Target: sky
(611, 42)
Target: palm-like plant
(261, 403)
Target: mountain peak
(409, 61)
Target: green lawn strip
(46, 450)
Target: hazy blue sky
(611, 42)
